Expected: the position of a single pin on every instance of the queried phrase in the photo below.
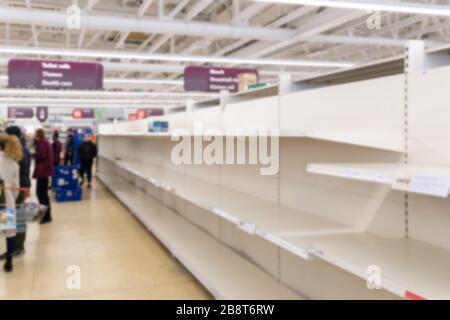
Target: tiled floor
(117, 258)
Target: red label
(132, 116)
(412, 296)
(141, 114)
(77, 114)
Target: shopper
(70, 146)
(43, 171)
(25, 185)
(87, 153)
(10, 154)
(57, 148)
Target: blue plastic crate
(66, 171)
(160, 126)
(65, 177)
(64, 183)
(69, 194)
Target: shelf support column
(224, 99)
(287, 85)
(415, 66)
(419, 61)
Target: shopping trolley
(14, 217)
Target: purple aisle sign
(211, 79)
(46, 74)
(20, 113)
(88, 113)
(151, 112)
(42, 114)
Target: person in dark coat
(57, 148)
(87, 153)
(43, 171)
(25, 184)
(70, 146)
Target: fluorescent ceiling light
(94, 106)
(144, 81)
(103, 94)
(386, 6)
(130, 81)
(172, 57)
(37, 101)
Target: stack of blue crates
(65, 183)
(159, 126)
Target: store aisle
(117, 258)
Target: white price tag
(247, 227)
(376, 177)
(433, 186)
(169, 189)
(156, 183)
(353, 174)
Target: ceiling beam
(373, 5)
(131, 24)
(90, 5)
(87, 8)
(143, 8)
(197, 9)
(249, 12)
(180, 6)
(121, 41)
(313, 26)
(173, 57)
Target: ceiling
(267, 34)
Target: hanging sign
(212, 79)
(42, 114)
(20, 113)
(100, 113)
(83, 113)
(149, 112)
(47, 74)
(77, 114)
(254, 86)
(152, 112)
(141, 114)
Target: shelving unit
(362, 139)
(211, 262)
(405, 271)
(409, 268)
(254, 215)
(421, 179)
(304, 226)
(366, 140)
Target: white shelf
(409, 268)
(140, 135)
(362, 139)
(254, 215)
(225, 273)
(421, 179)
(372, 140)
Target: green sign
(254, 86)
(100, 113)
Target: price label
(433, 186)
(351, 174)
(376, 177)
(247, 227)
